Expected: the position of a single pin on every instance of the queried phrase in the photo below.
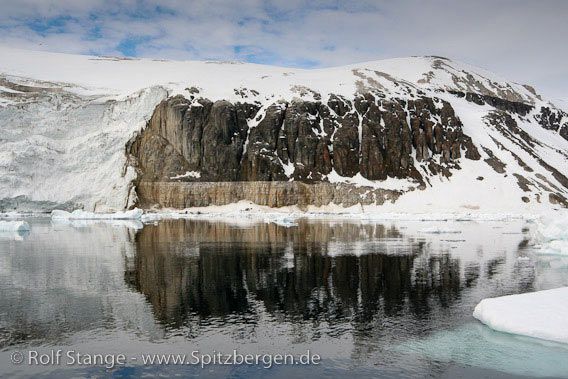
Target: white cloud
(519, 39)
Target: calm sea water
(371, 299)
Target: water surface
(387, 299)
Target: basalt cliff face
(297, 144)
(195, 152)
(300, 140)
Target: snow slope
(115, 77)
(65, 120)
(540, 314)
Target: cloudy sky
(523, 40)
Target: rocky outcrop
(301, 140)
(547, 117)
(195, 152)
(509, 128)
(502, 104)
(553, 119)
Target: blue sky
(522, 40)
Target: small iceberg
(551, 236)
(285, 222)
(14, 226)
(541, 314)
(134, 214)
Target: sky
(521, 40)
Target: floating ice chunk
(286, 222)
(134, 214)
(553, 228)
(14, 226)
(551, 235)
(541, 314)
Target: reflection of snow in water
(14, 226)
(474, 344)
(77, 274)
(551, 271)
(88, 274)
(132, 224)
(440, 230)
(19, 235)
(288, 257)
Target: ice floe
(550, 235)
(541, 314)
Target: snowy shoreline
(251, 210)
(549, 224)
(214, 212)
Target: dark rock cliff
(299, 140)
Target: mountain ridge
(71, 116)
(83, 72)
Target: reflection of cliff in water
(196, 269)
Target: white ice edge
(541, 314)
(287, 214)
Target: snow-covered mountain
(423, 133)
